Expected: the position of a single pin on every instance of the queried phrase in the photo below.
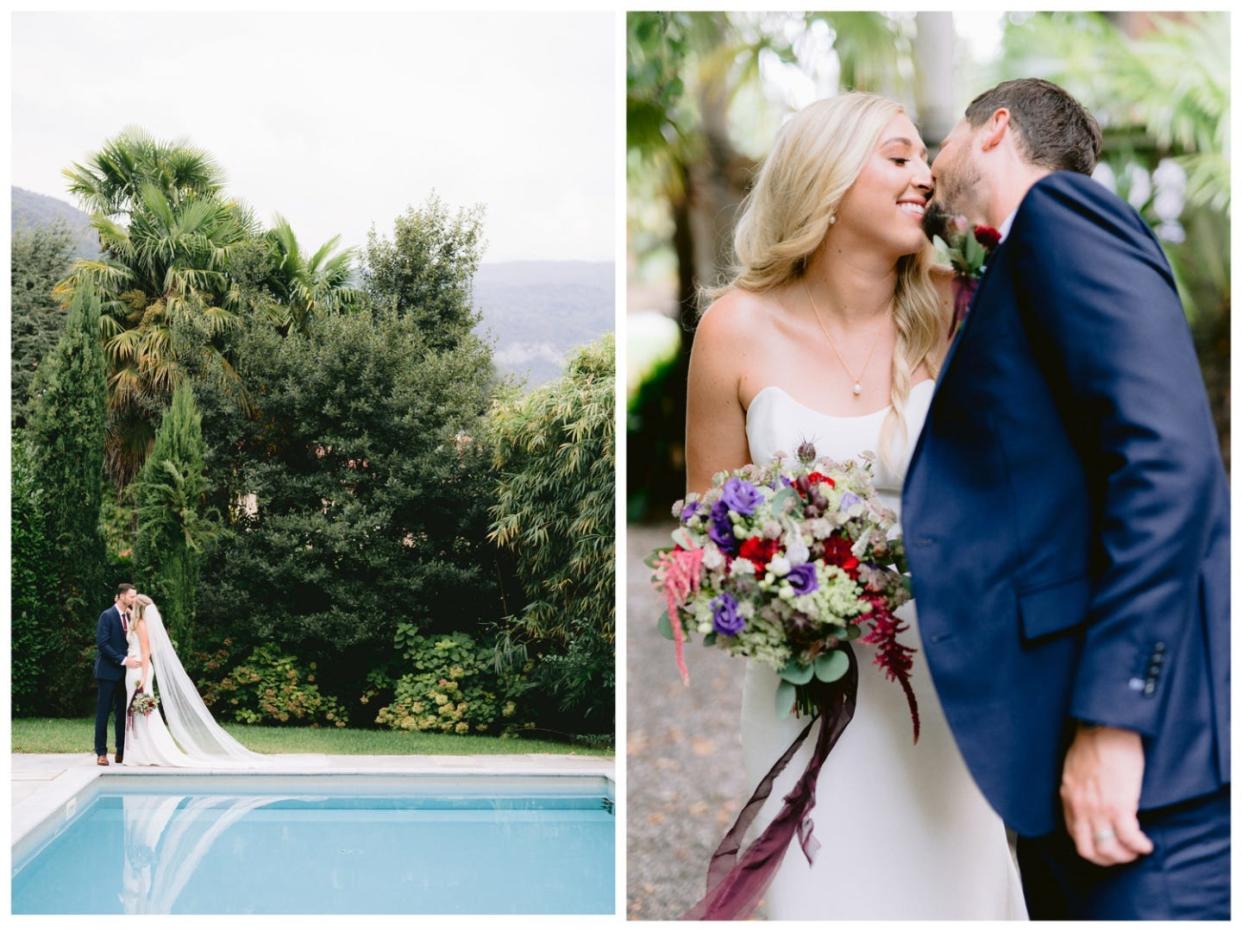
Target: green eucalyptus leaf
(797, 674)
(786, 695)
(665, 626)
(831, 666)
(709, 640)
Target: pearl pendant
(857, 389)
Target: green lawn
(68, 735)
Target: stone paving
(685, 782)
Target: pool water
(144, 852)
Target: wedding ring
(1106, 834)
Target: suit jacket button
(1149, 688)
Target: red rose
(987, 236)
(838, 552)
(820, 477)
(759, 550)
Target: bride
(832, 330)
(191, 738)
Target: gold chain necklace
(856, 379)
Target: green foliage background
(299, 454)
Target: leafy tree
(359, 497)
(171, 526)
(67, 434)
(426, 271)
(309, 285)
(553, 454)
(40, 258)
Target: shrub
(271, 689)
(453, 687)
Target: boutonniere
(967, 250)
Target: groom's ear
(996, 128)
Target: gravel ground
(684, 763)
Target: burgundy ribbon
(964, 288)
(736, 884)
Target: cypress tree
(32, 589)
(66, 433)
(169, 496)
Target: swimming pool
(279, 844)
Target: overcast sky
(338, 121)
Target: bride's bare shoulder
(733, 319)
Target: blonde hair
(818, 155)
(143, 601)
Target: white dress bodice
(776, 423)
(906, 833)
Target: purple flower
(849, 500)
(688, 512)
(802, 578)
(740, 496)
(720, 529)
(725, 617)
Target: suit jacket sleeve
(1101, 310)
(102, 640)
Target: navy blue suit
(111, 648)
(1067, 519)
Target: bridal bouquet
(786, 566)
(142, 702)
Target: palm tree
(111, 180)
(309, 286)
(167, 237)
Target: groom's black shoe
(102, 760)
(120, 757)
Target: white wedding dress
(905, 832)
(147, 741)
(191, 737)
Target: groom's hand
(1100, 788)
(132, 662)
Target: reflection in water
(184, 853)
(165, 842)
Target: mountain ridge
(537, 312)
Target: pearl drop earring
(832, 218)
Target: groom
(1066, 517)
(110, 664)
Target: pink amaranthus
(678, 569)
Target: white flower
(742, 567)
(705, 627)
(778, 565)
(796, 550)
(821, 528)
(713, 559)
(746, 610)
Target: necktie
(125, 622)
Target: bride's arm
(144, 645)
(715, 419)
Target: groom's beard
(936, 221)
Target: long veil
(189, 722)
